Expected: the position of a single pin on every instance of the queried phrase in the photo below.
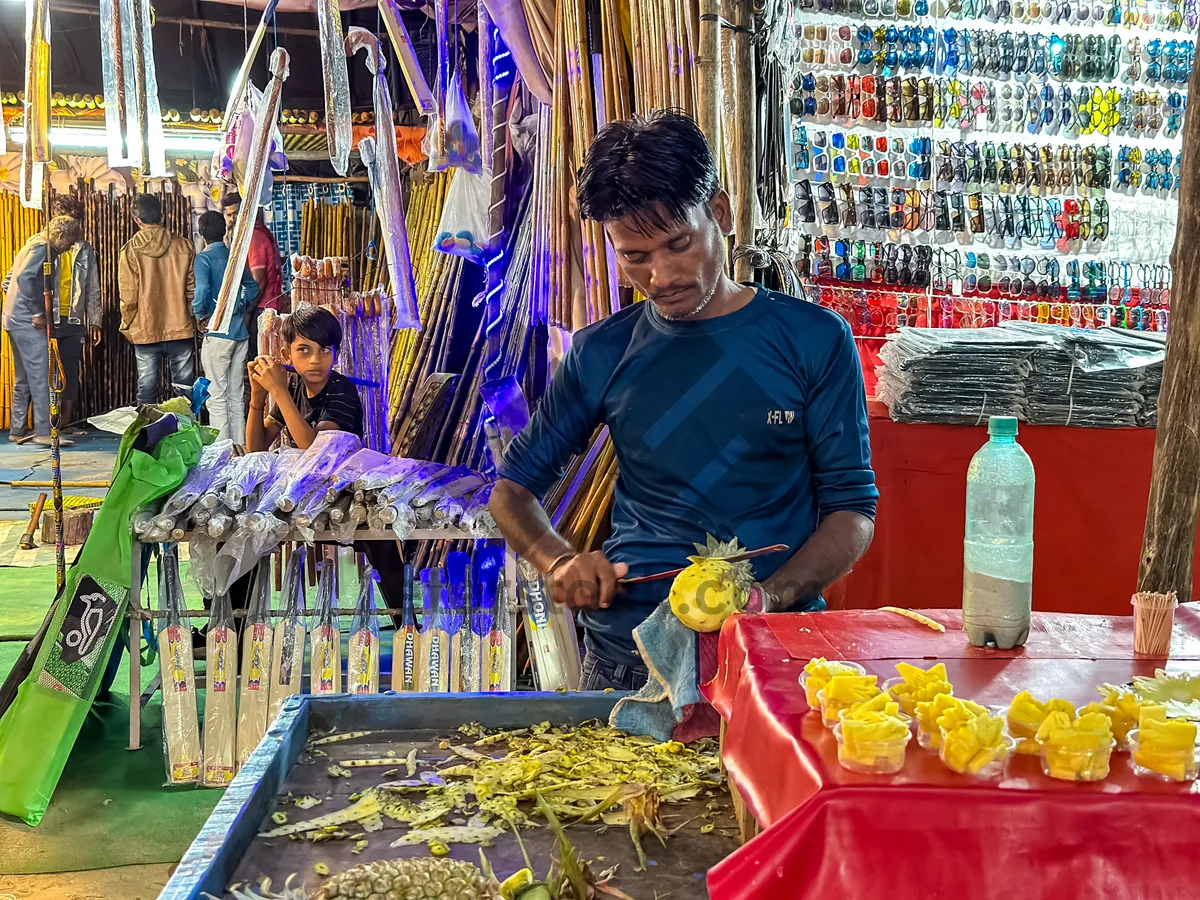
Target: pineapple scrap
(451, 834)
(817, 672)
(915, 616)
(1167, 747)
(1026, 715)
(335, 738)
(367, 805)
(410, 762)
(919, 684)
(1076, 749)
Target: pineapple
(422, 878)
(708, 591)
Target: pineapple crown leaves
(740, 573)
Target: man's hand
(95, 333)
(271, 375)
(587, 581)
(39, 321)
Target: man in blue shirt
(734, 411)
(223, 355)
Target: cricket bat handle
(27, 537)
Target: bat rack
(137, 612)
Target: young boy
(320, 399)
(223, 354)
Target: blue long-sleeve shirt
(751, 425)
(210, 270)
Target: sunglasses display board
(989, 160)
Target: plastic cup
(907, 704)
(1075, 764)
(871, 757)
(993, 768)
(810, 692)
(1026, 737)
(830, 709)
(1171, 765)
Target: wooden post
(1170, 537)
(743, 162)
(708, 65)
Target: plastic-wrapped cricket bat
(495, 620)
(435, 637)
(287, 647)
(181, 726)
(405, 640)
(220, 701)
(456, 617)
(550, 629)
(325, 641)
(255, 693)
(362, 665)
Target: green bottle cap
(1002, 426)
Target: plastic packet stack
(959, 376)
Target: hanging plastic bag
(256, 665)
(325, 643)
(235, 153)
(362, 666)
(181, 726)
(463, 228)
(220, 703)
(336, 78)
(287, 648)
(460, 144)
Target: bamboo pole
(708, 72)
(744, 151)
(1168, 544)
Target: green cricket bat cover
(39, 730)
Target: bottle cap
(1002, 426)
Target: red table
(1092, 486)
(927, 832)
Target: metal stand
(136, 613)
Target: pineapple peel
(711, 589)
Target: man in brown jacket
(157, 283)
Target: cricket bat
(435, 644)
(220, 704)
(550, 630)
(287, 644)
(181, 727)
(404, 641)
(254, 698)
(362, 666)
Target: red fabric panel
(832, 833)
(1092, 488)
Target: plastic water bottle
(998, 547)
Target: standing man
(156, 284)
(25, 323)
(734, 411)
(222, 354)
(78, 312)
(263, 263)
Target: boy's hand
(258, 393)
(271, 375)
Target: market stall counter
(927, 832)
(1092, 488)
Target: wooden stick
(744, 154)
(708, 70)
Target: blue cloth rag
(669, 649)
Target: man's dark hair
(653, 169)
(212, 226)
(68, 205)
(149, 209)
(231, 199)
(313, 323)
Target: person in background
(263, 264)
(78, 314)
(25, 322)
(222, 354)
(156, 283)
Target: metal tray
(227, 849)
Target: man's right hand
(587, 581)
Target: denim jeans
(70, 351)
(599, 674)
(31, 367)
(178, 355)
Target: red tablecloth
(1090, 512)
(926, 832)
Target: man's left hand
(95, 333)
(271, 375)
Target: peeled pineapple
(711, 589)
(421, 878)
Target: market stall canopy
(199, 46)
